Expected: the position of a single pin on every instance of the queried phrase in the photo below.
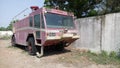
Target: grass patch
(17, 48)
(23, 51)
(5, 37)
(102, 58)
(12, 47)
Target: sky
(10, 8)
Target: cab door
(37, 28)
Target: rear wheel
(31, 46)
(13, 40)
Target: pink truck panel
(45, 36)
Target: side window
(37, 21)
(30, 22)
(43, 25)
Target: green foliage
(9, 27)
(2, 28)
(105, 58)
(83, 8)
(112, 6)
(100, 58)
(104, 54)
(92, 13)
(5, 37)
(79, 7)
(119, 53)
(113, 54)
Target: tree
(10, 26)
(108, 6)
(2, 28)
(112, 6)
(81, 8)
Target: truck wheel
(31, 46)
(13, 41)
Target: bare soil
(17, 57)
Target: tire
(31, 46)
(13, 41)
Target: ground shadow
(21, 47)
(48, 51)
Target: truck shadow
(48, 51)
(51, 51)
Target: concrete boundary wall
(6, 33)
(99, 33)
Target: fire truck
(45, 27)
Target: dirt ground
(17, 57)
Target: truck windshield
(58, 21)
